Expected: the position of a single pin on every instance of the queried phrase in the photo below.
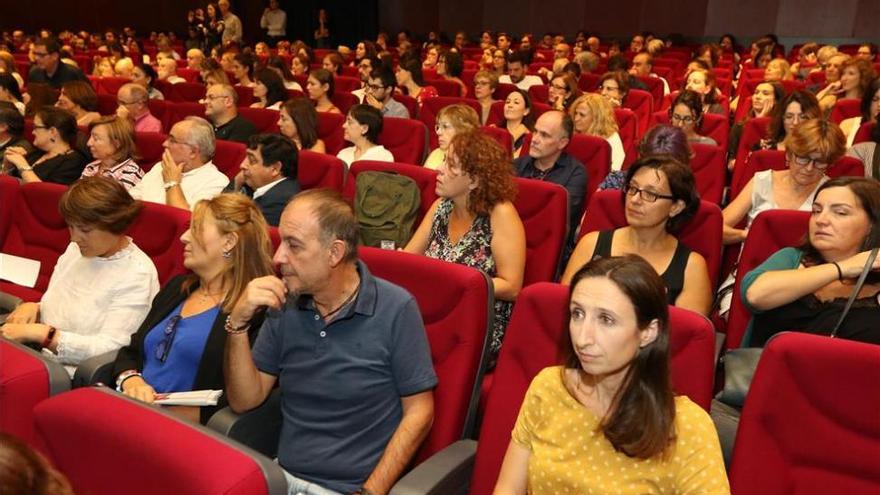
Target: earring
(227, 254)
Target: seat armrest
(95, 370)
(259, 428)
(726, 419)
(447, 472)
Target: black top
(569, 173)
(62, 169)
(16, 141)
(673, 277)
(63, 73)
(238, 129)
(273, 201)
(209, 375)
(810, 315)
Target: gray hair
(136, 91)
(201, 134)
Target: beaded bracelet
(233, 330)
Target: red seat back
(712, 125)
(187, 91)
(344, 101)
(455, 302)
(177, 111)
(830, 443)
(845, 108)
(864, 132)
(191, 75)
(771, 231)
(157, 231)
(425, 179)
(543, 209)
(109, 85)
(432, 106)
(317, 170)
(628, 129)
(245, 95)
(330, 131)
(228, 156)
(709, 165)
(501, 135)
(445, 87)
(411, 104)
(655, 88)
(533, 342)
(642, 104)
(595, 153)
(113, 426)
(150, 146)
(264, 119)
(346, 83)
(406, 139)
(107, 104)
(754, 130)
(539, 93)
(702, 233)
(588, 82)
(501, 92)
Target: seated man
(221, 109)
(48, 67)
(268, 174)
(643, 66)
(167, 71)
(349, 351)
(132, 99)
(365, 68)
(620, 63)
(516, 72)
(380, 94)
(194, 59)
(185, 175)
(548, 162)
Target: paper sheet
(18, 270)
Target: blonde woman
(485, 83)
(593, 115)
(451, 120)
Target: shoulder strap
(859, 283)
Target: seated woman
(333, 62)
(702, 82)
(795, 108)
(432, 58)
(299, 64)
(563, 91)
(778, 70)
(243, 70)
(298, 120)
(614, 86)
(805, 289)
(451, 120)
(364, 49)
(9, 91)
(78, 98)
(101, 287)
(593, 115)
(856, 75)
(485, 84)
(56, 158)
(499, 62)
(145, 75)
(518, 119)
(179, 345)
(320, 87)
(766, 96)
(474, 222)
(449, 67)
(277, 64)
(610, 405)
(686, 113)
(23, 469)
(212, 73)
(870, 108)
(269, 90)
(659, 199)
(362, 128)
(410, 80)
(112, 145)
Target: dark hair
(275, 148)
(99, 202)
(809, 105)
(693, 101)
(567, 124)
(666, 140)
(61, 120)
(336, 59)
(9, 83)
(150, 72)
(573, 68)
(622, 80)
(872, 90)
(681, 183)
(50, 44)
(275, 90)
(305, 117)
(641, 420)
(386, 76)
(277, 62)
(529, 118)
(82, 94)
(618, 63)
(518, 56)
(369, 49)
(454, 63)
(414, 66)
(370, 117)
(246, 61)
(324, 76)
(24, 470)
(13, 119)
(336, 218)
(778, 93)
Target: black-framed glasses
(684, 119)
(164, 346)
(647, 196)
(375, 87)
(803, 161)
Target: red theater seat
(406, 139)
(157, 232)
(713, 125)
(187, 91)
(810, 422)
(753, 132)
(228, 156)
(642, 104)
(264, 119)
(709, 165)
(543, 209)
(501, 135)
(177, 111)
(346, 83)
(150, 148)
(330, 131)
(864, 132)
(245, 95)
(445, 88)
(317, 170)
(595, 153)
(845, 108)
(628, 129)
(344, 101)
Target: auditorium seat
(27, 377)
(771, 231)
(103, 441)
(228, 156)
(177, 111)
(543, 209)
(187, 91)
(150, 146)
(754, 130)
(702, 233)
(810, 422)
(191, 75)
(245, 95)
(864, 133)
(539, 93)
(264, 119)
(642, 104)
(655, 88)
(712, 125)
(406, 139)
(776, 160)
(107, 104)
(156, 231)
(344, 101)
(411, 104)
(445, 87)
(588, 82)
(595, 153)
(346, 83)
(532, 343)
(845, 108)
(628, 129)
(432, 106)
(330, 131)
(709, 165)
(500, 94)
(317, 170)
(501, 135)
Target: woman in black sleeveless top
(659, 198)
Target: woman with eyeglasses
(686, 113)
(795, 108)
(449, 67)
(102, 285)
(659, 199)
(57, 159)
(179, 346)
(563, 91)
(614, 86)
(485, 83)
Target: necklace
(344, 303)
(205, 296)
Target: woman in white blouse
(362, 128)
(593, 115)
(103, 284)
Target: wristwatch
(171, 183)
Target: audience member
(795, 108)
(268, 174)
(866, 152)
(517, 118)
(333, 63)
(56, 158)
(320, 87)
(12, 130)
(232, 29)
(167, 71)
(24, 470)
(145, 76)
(516, 73)
(194, 59)
(379, 93)
(562, 92)
(78, 98)
(485, 84)
(766, 97)
(451, 120)
(243, 69)
(132, 106)
(856, 75)
(111, 144)
(702, 82)
(48, 67)
(9, 92)
(410, 81)
(277, 64)
(298, 120)
(274, 21)
(593, 115)
(686, 113)
(614, 86)
(362, 128)
(449, 67)
(221, 108)
(870, 107)
(643, 66)
(269, 90)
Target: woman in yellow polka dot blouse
(607, 421)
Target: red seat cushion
(406, 139)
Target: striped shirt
(128, 173)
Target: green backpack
(386, 205)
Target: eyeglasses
(41, 54)
(647, 196)
(374, 87)
(804, 161)
(438, 128)
(164, 346)
(126, 103)
(214, 97)
(174, 140)
(559, 88)
(609, 89)
(684, 119)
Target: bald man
(194, 59)
(132, 105)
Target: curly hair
(481, 157)
(865, 70)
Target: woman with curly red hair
(474, 222)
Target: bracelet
(839, 271)
(168, 185)
(49, 336)
(26, 169)
(125, 375)
(235, 330)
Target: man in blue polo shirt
(349, 351)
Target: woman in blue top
(806, 288)
(179, 346)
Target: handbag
(740, 364)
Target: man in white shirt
(516, 73)
(274, 21)
(185, 175)
(232, 32)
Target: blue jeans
(296, 486)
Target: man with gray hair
(232, 33)
(132, 105)
(221, 108)
(186, 174)
(194, 59)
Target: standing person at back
(232, 32)
(274, 21)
